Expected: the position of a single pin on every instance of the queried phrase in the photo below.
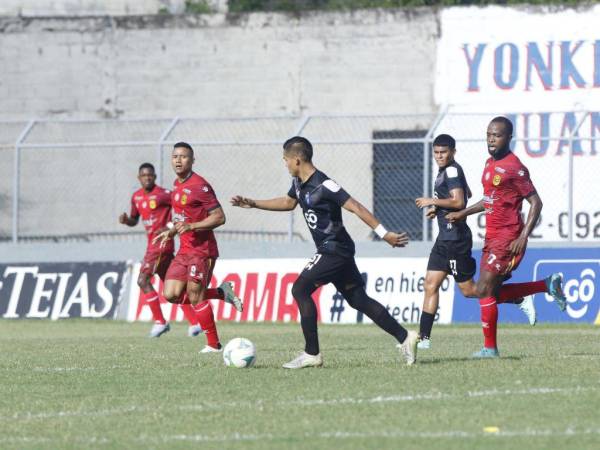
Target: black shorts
(341, 271)
(453, 257)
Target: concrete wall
(218, 65)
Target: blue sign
(580, 268)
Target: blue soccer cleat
(194, 330)
(486, 353)
(554, 288)
(158, 329)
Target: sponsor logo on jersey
(499, 169)
(187, 191)
(311, 219)
(205, 188)
(152, 204)
(496, 181)
(144, 204)
(178, 217)
(487, 176)
(177, 197)
(521, 172)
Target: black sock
(426, 325)
(311, 336)
(359, 300)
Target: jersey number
(491, 259)
(315, 259)
(453, 266)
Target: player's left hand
(423, 202)
(162, 237)
(396, 239)
(518, 245)
(430, 213)
(182, 227)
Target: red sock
(489, 320)
(509, 293)
(204, 313)
(216, 294)
(151, 299)
(189, 313)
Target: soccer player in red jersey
(506, 183)
(153, 204)
(196, 213)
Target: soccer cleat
(209, 349)
(158, 329)
(194, 330)
(424, 344)
(485, 353)
(408, 349)
(230, 297)
(554, 288)
(528, 309)
(304, 360)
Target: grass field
(102, 384)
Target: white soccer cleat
(158, 329)
(209, 349)
(304, 360)
(408, 349)
(230, 297)
(194, 330)
(424, 344)
(528, 309)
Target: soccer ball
(240, 353)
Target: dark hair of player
(146, 166)
(507, 123)
(299, 146)
(184, 145)
(444, 140)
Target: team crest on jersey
(307, 198)
(183, 199)
(496, 181)
(152, 204)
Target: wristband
(170, 225)
(380, 231)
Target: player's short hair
(506, 121)
(300, 146)
(444, 140)
(184, 145)
(146, 165)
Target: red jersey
(506, 183)
(155, 209)
(192, 200)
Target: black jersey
(448, 178)
(321, 200)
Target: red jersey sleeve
(207, 197)
(523, 183)
(134, 213)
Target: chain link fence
(70, 180)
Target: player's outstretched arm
(276, 204)
(518, 245)
(462, 214)
(128, 220)
(394, 239)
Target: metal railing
(70, 179)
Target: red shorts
(195, 268)
(496, 257)
(156, 263)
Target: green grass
(102, 384)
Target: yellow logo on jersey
(152, 204)
(496, 181)
(183, 199)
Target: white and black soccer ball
(240, 353)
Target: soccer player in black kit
(451, 253)
(321, 200)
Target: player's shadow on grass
(422, 361)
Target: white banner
(540, 69)
(265, 286)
